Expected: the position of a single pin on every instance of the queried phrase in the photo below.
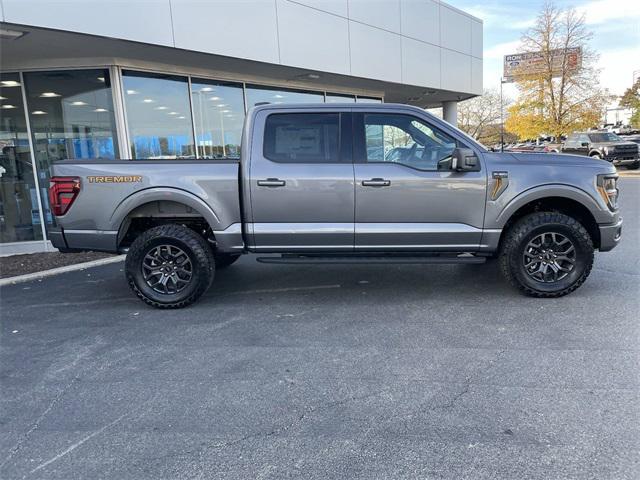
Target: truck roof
(336, 106)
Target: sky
(615, 25)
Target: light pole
(502, 82)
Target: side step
(374, 259)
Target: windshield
(604, 137)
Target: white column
(450, 112)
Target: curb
(56, 271)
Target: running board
(374, 259)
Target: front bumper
(622, 159)
(610, 235)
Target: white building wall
(417, 42)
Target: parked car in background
(604, 145)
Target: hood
(551, 160)
(615, 144)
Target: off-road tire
(223, 260)
(596, 155)
(193, 245)
(527, 228)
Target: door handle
(272, 182)
(376, 182)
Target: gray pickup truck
(341, 184)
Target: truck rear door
(301, 181)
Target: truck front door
(406, 196)
(301, 181)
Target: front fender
(599, 211)
(155, 194)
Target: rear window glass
(302, 137)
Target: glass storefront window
(158, 115)
(19, 210)
(218, 110)
(339, 98)
(71, 116)
(256, 94)
(368, 100)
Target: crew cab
(352, 183)
(604, 145)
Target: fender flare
(550, 190)
(154, 194)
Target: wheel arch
(563, 199)
(162, 205)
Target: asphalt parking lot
(432, 372)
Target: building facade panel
(223, 27)
(455, 30)
(476, 38)
(420, 63)
(375, 53)
(456, 71)
(421, 20)
(305, 40)
(476, 75)
(383, 14)
(337, 7)
(147, 21)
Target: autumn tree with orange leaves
(557, 99)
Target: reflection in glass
(257, 94)
(71, 115)
(158, 115)
(19, 211)
(368, 100)
(218, 109)
(338, 98)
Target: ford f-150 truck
(331, 183)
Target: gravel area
(37, 262)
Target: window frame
(345, 145)
(360, 141)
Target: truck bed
(111, 190)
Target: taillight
(62, 192)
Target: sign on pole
(534, 63)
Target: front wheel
(546, 254)
(169, 266)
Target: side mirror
(584, 144)
(464, 160)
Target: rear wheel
(169, 266)
(547, 254)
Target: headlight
(608, 189)
(606, 150)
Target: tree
(559, 97)
(480, 116)
(631, 99)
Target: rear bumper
(83, 240)
(57, 239)
(610, 235)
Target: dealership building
(166, 79)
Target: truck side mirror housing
(584, 144)
(464, 160)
